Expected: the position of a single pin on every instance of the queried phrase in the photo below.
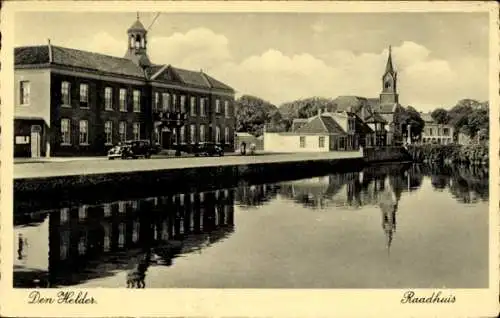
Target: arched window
(137, 41)
(387, 84)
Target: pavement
(96, 165)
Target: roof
(389, 68)
(106, 64)
(375, 118)
(350, 103)
(35, 55)
(137, 26)
(321, 125)
(426, 117)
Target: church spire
(389, 68)
(389, 94)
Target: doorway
(36, 141)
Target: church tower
(389, 93)
(137, 44)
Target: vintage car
(208, 149)
(133, 149)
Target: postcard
(249, 159)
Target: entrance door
(165, 139)
(35, 141)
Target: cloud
(424, 81)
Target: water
(384, 227)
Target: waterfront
(389, 226)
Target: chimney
(50, 51)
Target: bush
(431, 153)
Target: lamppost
(408, 139)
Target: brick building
(70, 102)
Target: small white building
(329, 131)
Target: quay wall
(101, 186)
(140, 183)
(386, 154)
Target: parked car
(133, 149)
(208, 149)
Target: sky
(440, 57)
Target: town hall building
(70, 102)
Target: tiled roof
(137, 26)
(349, 103)
(386, 108)
(33, 55)
(321, 125)
(332, 126)
(39, 55)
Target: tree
(441, 116)
(410, 116)
(305, 108)
(469, 117)
(252, 113)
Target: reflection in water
(86, 242)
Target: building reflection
(71, 245)
(87, 242)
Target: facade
(328, 131)
(72, 102)
(436, 133)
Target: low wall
(386, 154)
(49, 191)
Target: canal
(388, 226)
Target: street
(103, 165)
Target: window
(226, 109)
(108, 98)
(122, 131)
(25, 93)
(446, 131)
(157, 135)
(321, 142)
(192, 133)
(202, 107)
(302, 142)
(84, 132)
(166, 101)
(65, 93)
(202, 133)
(137, 101)
(430, 131)
(183, 103)
(192, 106)
(217, 106)
(226, 135)
(108, 131)
(183, 134)
(217, 134)
(174, 102)
(137, 131)
(64, 215)
(84, 94)
(123, 100)
(82, 212)
(156, 105)
(65, 131)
